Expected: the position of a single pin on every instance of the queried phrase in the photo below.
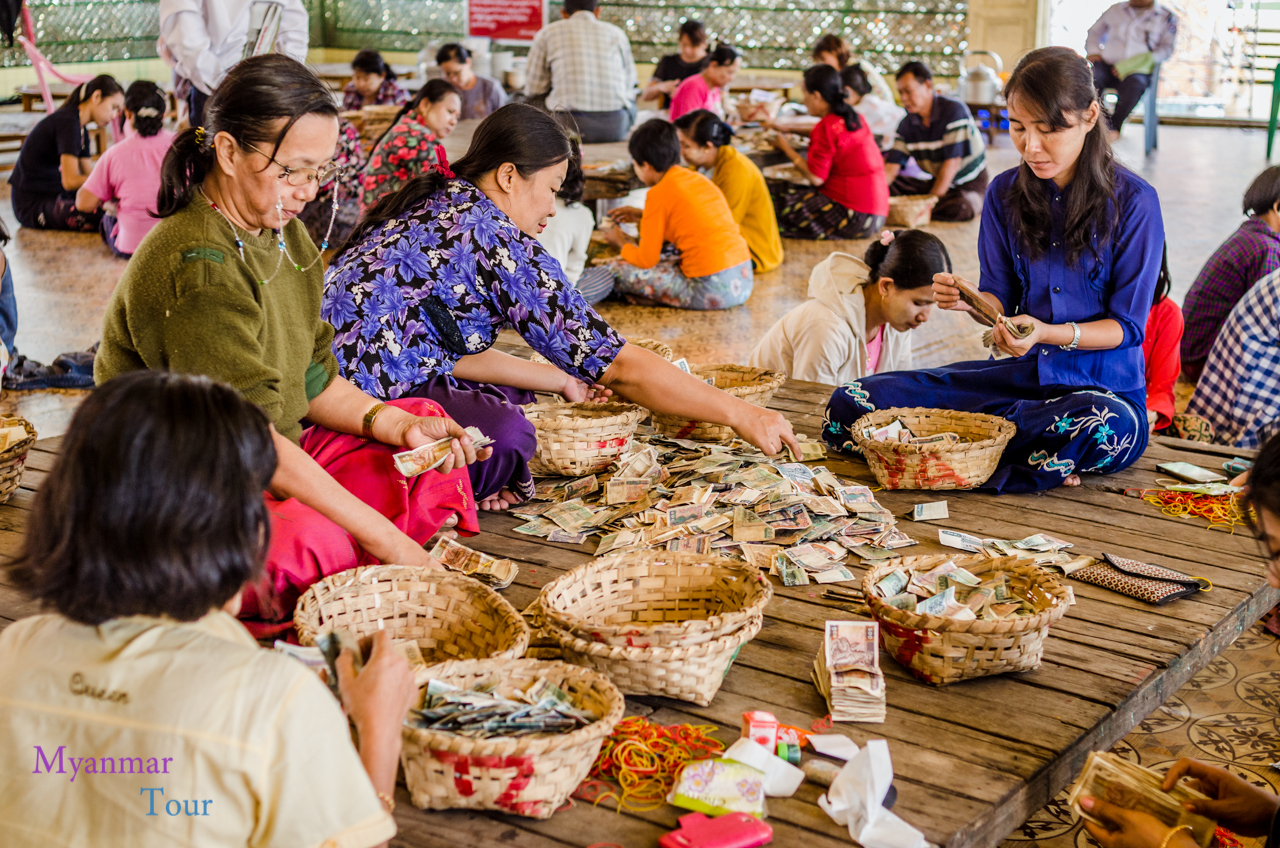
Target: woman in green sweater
(229, 285)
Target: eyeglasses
(299, 177)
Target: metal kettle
(981, 84)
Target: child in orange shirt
(691, 253)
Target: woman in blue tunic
(435, 270)
(1070, 242)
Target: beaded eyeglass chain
(279, 231)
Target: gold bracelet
(391, 803)
(367, 426)
(1169, 835)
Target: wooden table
(766, 82)
(14, 129)
(31, 94)
(973, 760)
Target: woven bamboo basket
(935, 467)
(687, 673)
(526, 775)
(943, 650)
(754, 385)
(576, 439)
(543, 644)
(655, 599)
(14, 458)
(449, 616)
(661, 348)
(911, 210)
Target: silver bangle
(1075, 340)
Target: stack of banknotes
(847, 671)
(1114, 779)
(455, 556)
(431, 456)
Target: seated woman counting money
(1069, 248)
(229, 285)
(435, 270)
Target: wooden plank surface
(973, 760)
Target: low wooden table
(31, 94)
(14, 129)
(766, 82)
(972, 760)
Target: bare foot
(505, 499)
(1072, 480)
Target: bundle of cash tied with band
(481, 713)
(793, 520)
(455, 556)
(949, 591)
(1115, 780)
(430, 456)
(989, 315)
(847, 671)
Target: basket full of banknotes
(511, 735)
(931, 449)
(951, 618)
(754, 385)
(16, 438)
(577, 439)
(440, 615)
(655, 599)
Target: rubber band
(644, 760)
(1223, 512)
(822, 724)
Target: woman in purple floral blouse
(412, 145)
(431, 275)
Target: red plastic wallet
(732, 830)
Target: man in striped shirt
(584, 65)
(939, 133)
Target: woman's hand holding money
(1123, 828)
(413, 432)
(1009, 342)
(1234, 803)
(576, 391)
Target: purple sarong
(496, 411)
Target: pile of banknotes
(481, 713)
(799, 522)
(1133, 787)
(431, 456)
(455, 556)
(949, 591)
(1041, 549)
(847, 671)
(897, 431)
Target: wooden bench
(972, 761)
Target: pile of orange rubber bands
(1223, 512)
(644, 759)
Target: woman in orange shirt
(691, 253)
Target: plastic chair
(41, 65)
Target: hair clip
(886, 237)
(147, 112)
(200, 136)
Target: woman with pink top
(127, 177)
(705, 90)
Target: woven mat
(1228, 715)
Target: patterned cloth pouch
(1151, 583)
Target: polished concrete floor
(63, 280)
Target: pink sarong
(306, 546)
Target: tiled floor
(64, 280)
